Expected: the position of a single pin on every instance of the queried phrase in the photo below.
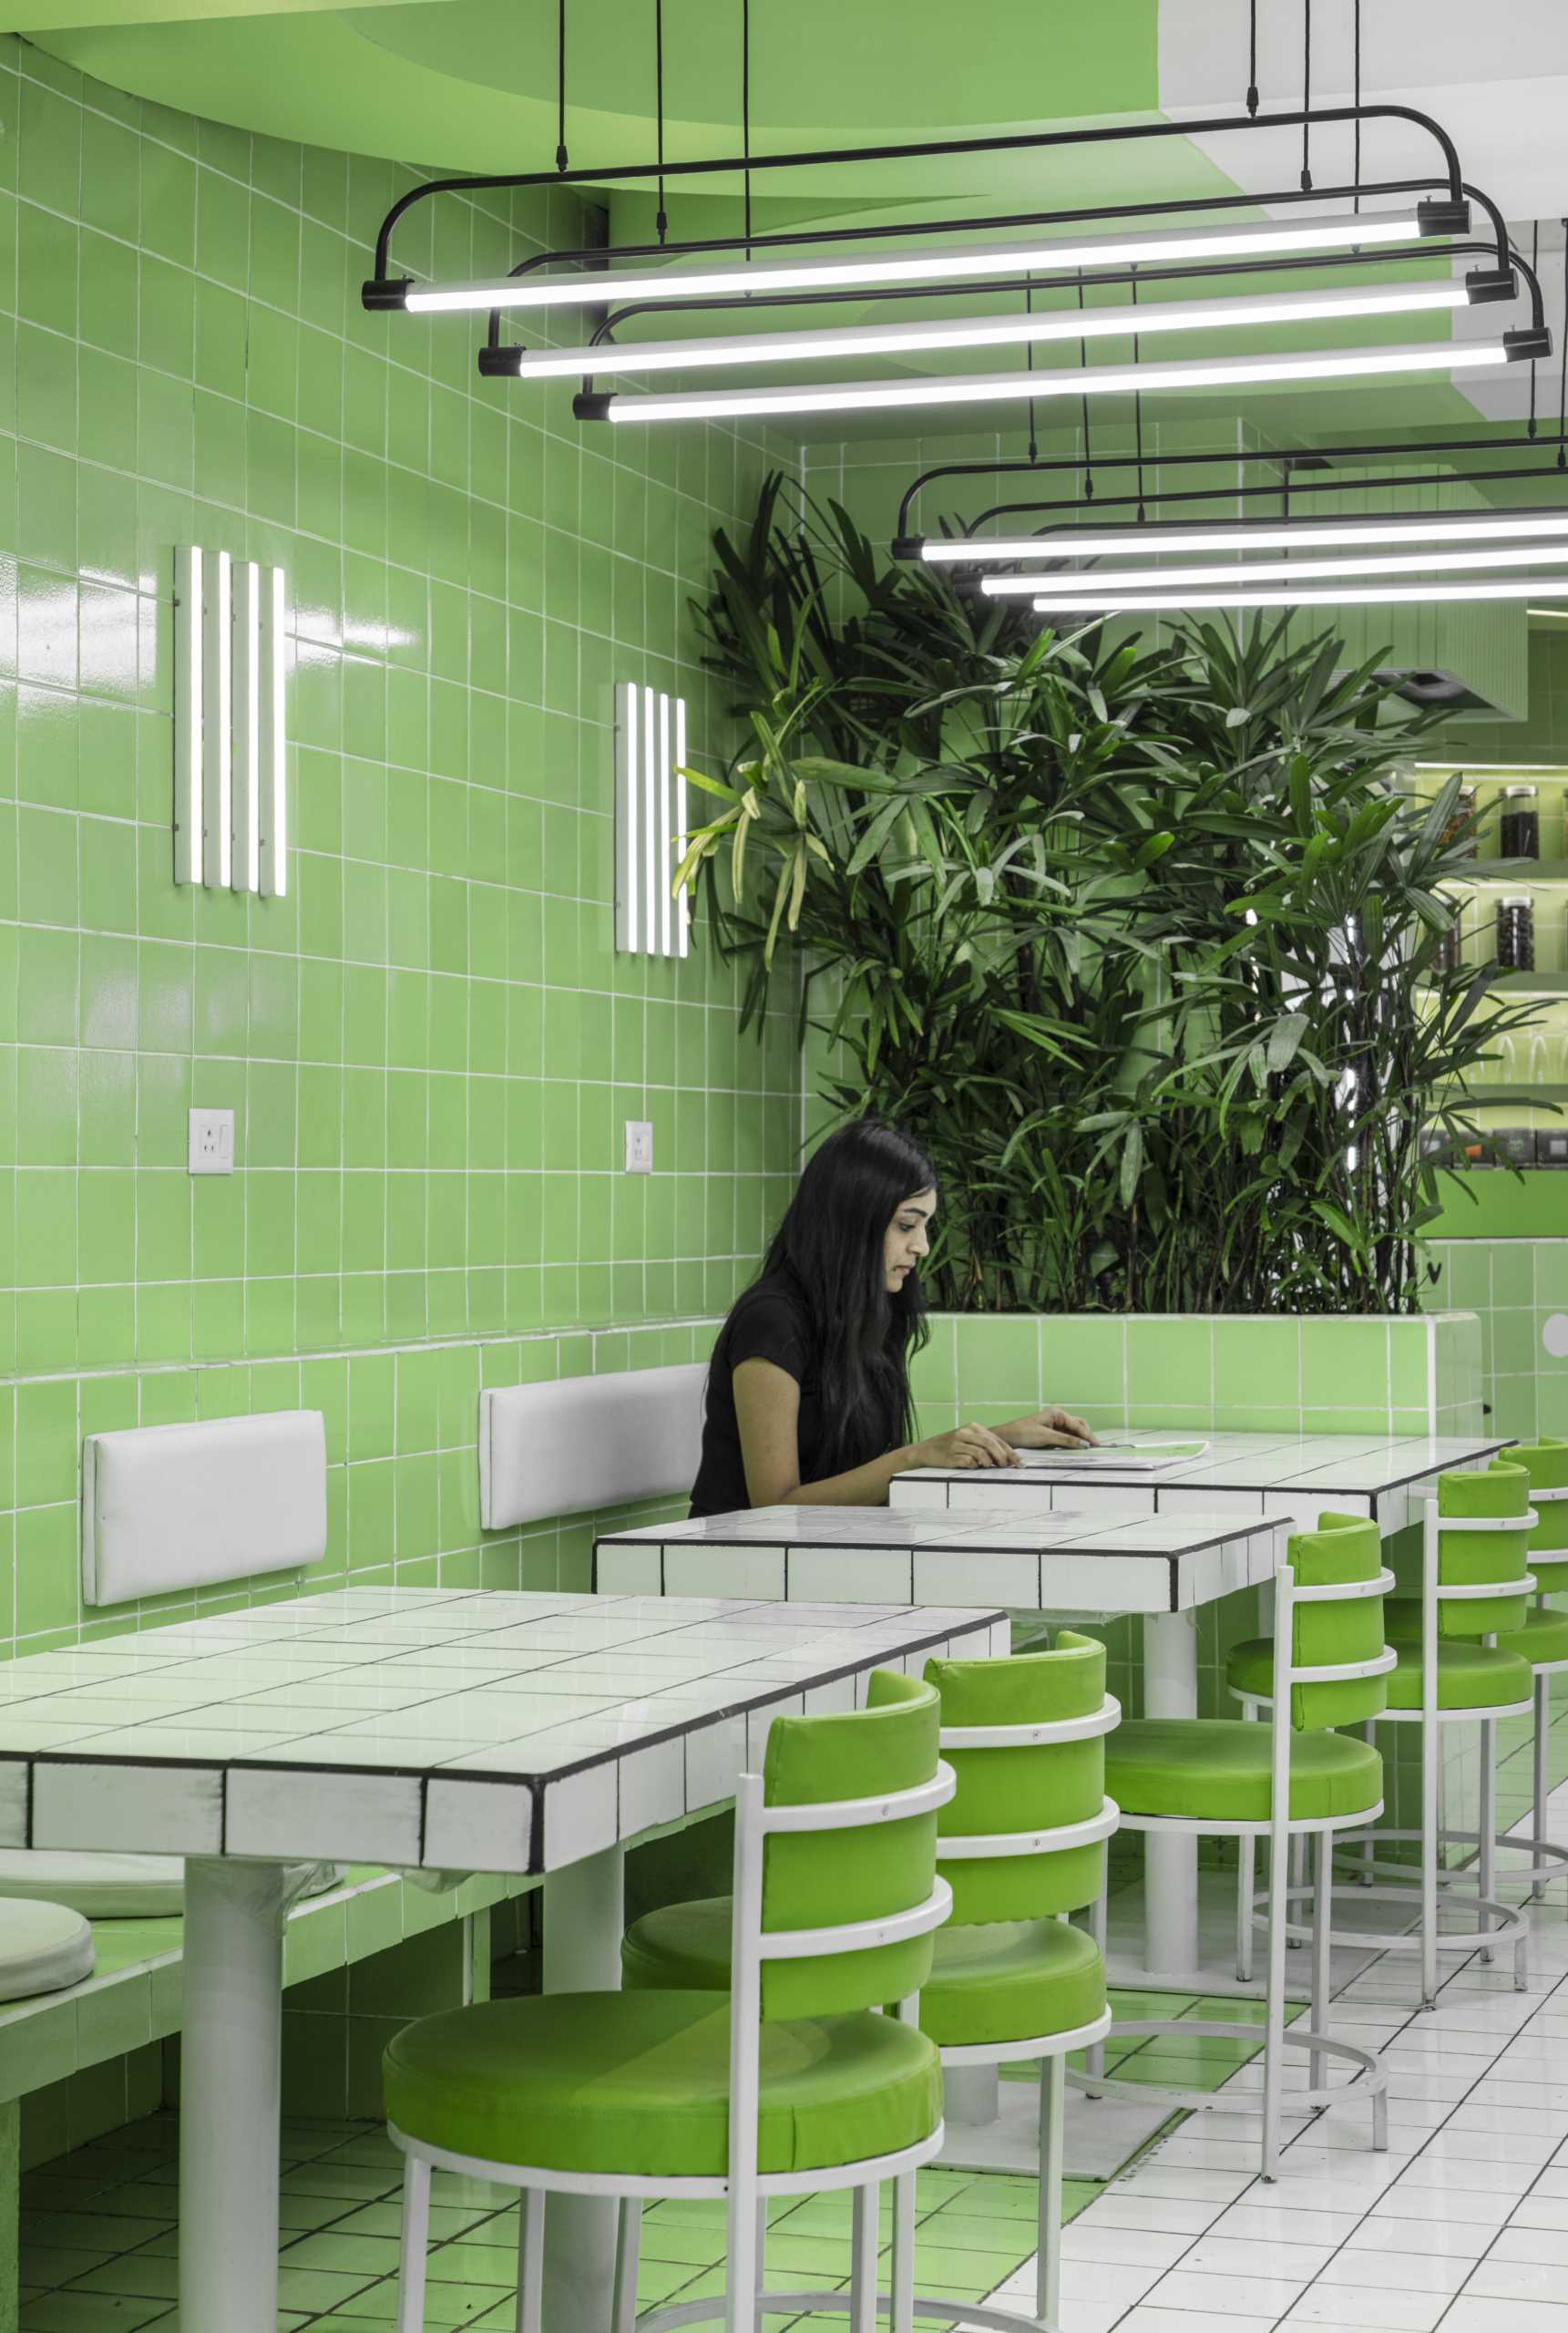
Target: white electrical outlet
(639, 1146)
(212, 1141)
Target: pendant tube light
(1256, 534)
(618, 287)
(1112, 602)
(601, 358)
(1276, 570)
(1183, 373)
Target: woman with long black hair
(808, 1392)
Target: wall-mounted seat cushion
(44, 1947)
(181, 1507)
(110, 1887)
(639, 2083)
(581, 1443)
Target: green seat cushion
(1006, 1982)
(1469, 1675)
(1219, 1770)
(639, 2083)
(1544, 1638)
(1546, 1463)
(1011, 1980)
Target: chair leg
(628, 2250)
(1542, 1776)
(1322, 1910)
(1300, 1848)
(742, 2269)
(413, 2244)
(1048, 2257)
(1094, 2059)
(1247, 1882)
(762, 2275)
(902, 2285)
(1486, 1860)
(1431, 1765)
(531, 2262)
(1370, 1843)
(1274, 2017)
(862, 2262)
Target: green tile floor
(99, 2226)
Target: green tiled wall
(1514, 1287)
(1216, 1373)
(429, 1042)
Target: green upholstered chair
(1542, 1641)
(1293, 1778)
(1448, 1668)
(790, 2083)
(1022, 1844)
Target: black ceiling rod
(1021, 141)
(563, 157)
(1252, 58)
(1307, 101)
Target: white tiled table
(436, 1731)
(1253, 1480)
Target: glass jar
(1516, 934)
(1460, 826)
(1518, 831)
(1449, 955)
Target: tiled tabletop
(443, 1729)
(1043, 1558)
(1270, 1475)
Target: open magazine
(1113, 1457)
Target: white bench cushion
(583, 1443)
(44, 1947)
(171, 1507)
(110, 1887)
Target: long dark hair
(831, 1240)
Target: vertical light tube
(271, 748)
(666, 862)
(248, 727)
(217, 743)
(649, 824)
(682, 909)
(187, 713)
(630, 873)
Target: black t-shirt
(772, 1322)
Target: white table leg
(230, 2086)
(585, 1913)
(1169, 1863)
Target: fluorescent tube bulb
(1330, 534)
(990, 332)
(1069, 381)
(1114, 602)
(1276, 571)
(613, 287)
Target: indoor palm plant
(1141, 942)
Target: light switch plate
(212, 1141)
(640, 1146)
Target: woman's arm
(1046, 1429)
(767, 1411)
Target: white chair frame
(1500, 1923)
(1367, 2078)
(746, 2189)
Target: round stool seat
(1544, 1638)
(1222, 1770)
(103, 1886)
(44, 1947)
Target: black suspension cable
(1307, 101)
(1561, 386)
(1029, 365)
(1562, 378)
(1138, 413)
(661, 220)
(562, 158)
(1252, 58)
(746, 119)
(1536, 268)
(1355, 100)
(1084, 361)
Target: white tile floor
(1464, 2224)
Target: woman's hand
(966, 1446)
(1047, 1430)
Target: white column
(585, 1913)
(1170, 1863)
(230, 2079)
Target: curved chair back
(1331, 1631)
(843, 1839)
(1024, 1836)
(1546, 1463)
(1481, 1526)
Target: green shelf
(1526, 874)
(1530, 984)
(1487, 1097)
